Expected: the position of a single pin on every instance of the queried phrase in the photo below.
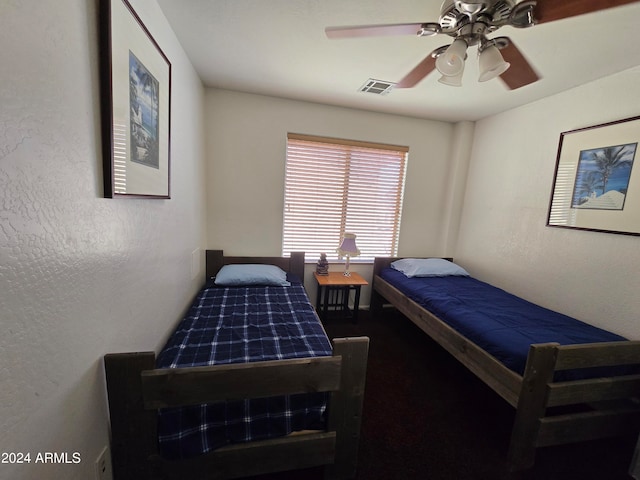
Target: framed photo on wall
(596, 186)
(136, 106)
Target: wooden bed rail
(613, 401)
(501, 379)
(136, 389)
(602, 354)
(345, 408)
(248, 459)
(172, 387)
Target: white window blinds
(335, 186)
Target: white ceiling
(278, 48)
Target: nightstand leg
(326, 303)
(318, 299)
(345, 301)
(356, 304)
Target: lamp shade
(491, 64)
(455, 81)
(451, 62)
(348, 246)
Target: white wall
(503, 239)
(80, 275)
(246, 149)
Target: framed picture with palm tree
(596, 186)
(136, 105)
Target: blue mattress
(502, 324)
(235, 325)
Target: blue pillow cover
(428, 267)
(238, 275)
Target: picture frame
(136, 106)
(596, 187)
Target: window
(335, 186)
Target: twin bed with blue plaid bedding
(236, 325)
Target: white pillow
(247, 274)
(428, 267)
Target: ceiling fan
(469, 22)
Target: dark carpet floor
(426, 417)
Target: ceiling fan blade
(520, 73)
(424, 68)
(373, 30)
(550, 10)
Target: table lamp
(348, 249)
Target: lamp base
(347, 273)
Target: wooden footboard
(136, 390)
(609, 405)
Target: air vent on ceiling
(379, 87)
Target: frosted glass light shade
(451, 62)
(491, 64)
(455, 81)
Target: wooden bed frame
(613, 402)
(136, 389)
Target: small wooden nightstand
(333, 293)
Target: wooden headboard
(293, 264)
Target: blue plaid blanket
(236, 325)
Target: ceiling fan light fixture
(452, 81)
(491, 63)
(451, 62)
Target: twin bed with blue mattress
(535, 358)
(248, 383)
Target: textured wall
(80, 275)
(503, 238)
